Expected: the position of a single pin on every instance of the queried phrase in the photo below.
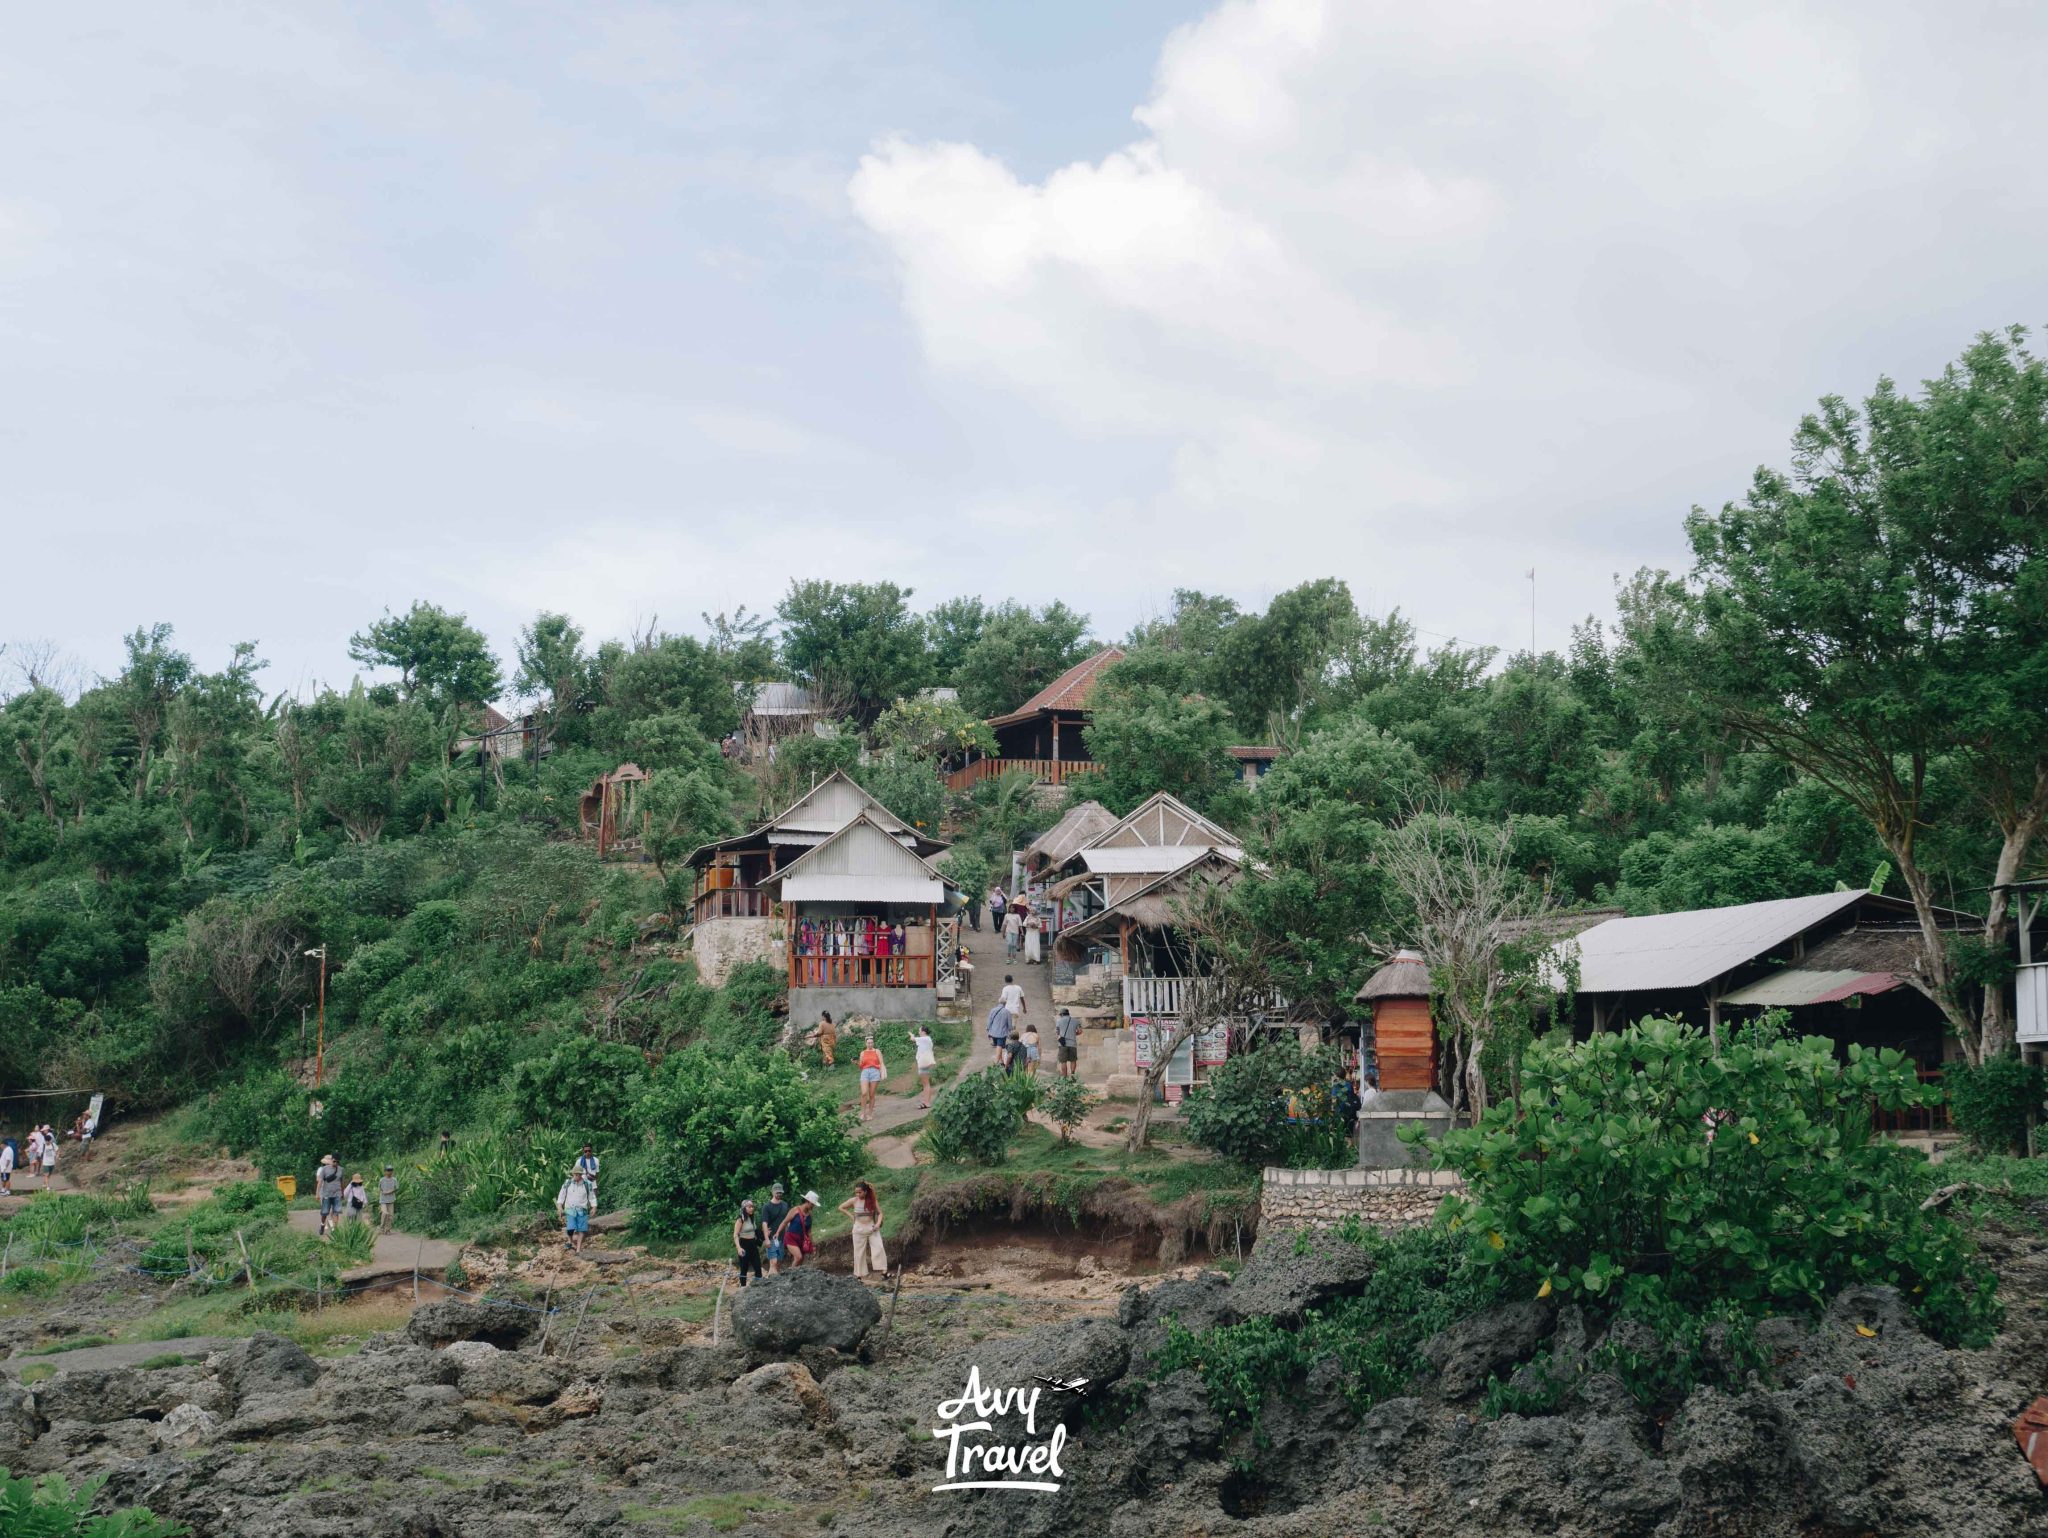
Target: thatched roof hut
(1080, 827)
(1405, 977)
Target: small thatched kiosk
(1081, 826)
(1403, 1034)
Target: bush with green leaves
(49, 1508)
(725, 1125)
(1423, 1280)
(581, 1086)
(1603, 1183)
(1243, 1110)
(1992, 1102)
(1066, 1103)
(976, 1120)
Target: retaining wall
(1397, 1198)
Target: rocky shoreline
(805, 1419)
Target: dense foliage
(977, 1119)
(50, 1508)
(1604, 1182)
(724, 1125)
(1275, 1105)
(1996, 1102)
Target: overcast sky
(638, 310)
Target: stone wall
(1399, 1198)
(722, 944)
(877, 1003)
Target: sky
(638, 311)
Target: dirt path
(395, 1252)
(127, 1354)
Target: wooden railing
(732, 902)
(1919, 1118)
(860, 972)
(1168, 997)
(1054, 771)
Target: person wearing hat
(387, 1200)
(355, 1200)
(747, 1234)
(772, 1214)
(327, 1185)
(795, 1232)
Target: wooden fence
(732, 902)
(1054, 771)
(860, 972)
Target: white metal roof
(1150, 859)
(829, 887)
(1689, 950)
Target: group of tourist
(1013, 1036)
(346, 1197)
(768, 1235)
(1021, 922)
(41, 1154)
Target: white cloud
(1428, 293)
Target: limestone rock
(501, 1324)
(806, 1307)
(1290, 1273)
(187, 1425)
(784, 1387)
(262, 1364)
(1492, 1341)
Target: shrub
(352, 1242)
(1424, 1280)
(1992, 1102)
(1066, 1102)
(582, 1085)
(1242, 1112)
(49, 1508)
(724, 1125)
(1603, 1182)
(978, 1118)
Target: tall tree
(440, 660)
(1269, 667)
(154, 674)
(1019, 652)
(856, 644)
(1882, 607)
(952, 628)
(554, 666)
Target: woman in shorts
(870, 1078)
(795, 1232)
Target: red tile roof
(1070, 691)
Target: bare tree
(1470, 906)
(42, 664)
(1237, 983)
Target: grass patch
(35, 1373)
(167, 1359)
(481, 1451)
(722, 1513)
(76, 1343)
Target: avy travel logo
(977, 1461)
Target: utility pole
(320, 1048)
(1532, 614)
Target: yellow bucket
(289, 1184)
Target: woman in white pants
(865, 1208)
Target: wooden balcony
(861, 972)
(1054, 771)
(731, 902)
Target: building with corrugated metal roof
(1841, 963)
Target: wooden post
(416, 1257)
(577, 1334)
(890, 1323)
(717, 1306)
(1055, 750)
(547, 1316)
(1123, 945)
(639, 1324)
(191, 1260)
(6, 1255)
(248, 1271)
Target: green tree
(439, 658)
(857, 645)
(1713, 867)
(148, 685)
(726, 1125)
(952, 628)
(554, 667)
(684, 808)
(1018, 652)
(1883, 606)
(977, 1119)
(910, 787)
(1600, 1183)
(1269, 667)
(1146, 739)
(929, 729)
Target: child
(355, 1201)
(1031, 1049)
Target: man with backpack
(999, 1026)
(327, 1184)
